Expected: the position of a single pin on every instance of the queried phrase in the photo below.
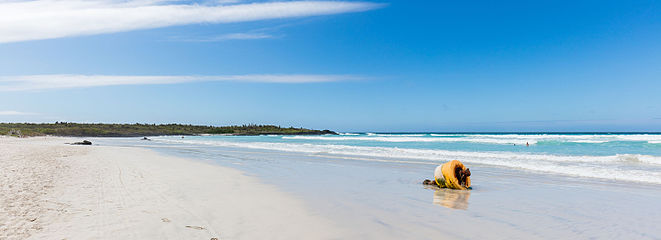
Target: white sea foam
(589, 141)
(411, 138)
(400, 135)
(579, 138)
(505, 139)
(614, 167)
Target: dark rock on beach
(326, 131)
(84, 142)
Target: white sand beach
(51, 190)
(133, 189)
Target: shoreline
(376, 198)
(132, 189)
(57, 191)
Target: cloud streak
(48, 19)
(225, 37)
(63, 81)
(14, 113)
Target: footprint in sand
(196, 227)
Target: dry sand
(50, 190)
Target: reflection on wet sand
(450, 198)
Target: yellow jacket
(445, 178)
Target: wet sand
(378, 198)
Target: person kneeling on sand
(452, 174)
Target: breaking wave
(624, 167)
(504, 139)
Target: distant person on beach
(527, 145)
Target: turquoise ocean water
(632, 157)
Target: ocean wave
(578, 138)
(589, 141)
(614, 167)
(506, 139)
(639, 137)
(639, 158)
(400, 138)
(400, 135)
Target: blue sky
(347, 66)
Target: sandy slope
(55, 191)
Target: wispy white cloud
(231, 36)
(61, 81)
(224, 37)
(25, 20)
(14, 113)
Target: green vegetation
(136, 130)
